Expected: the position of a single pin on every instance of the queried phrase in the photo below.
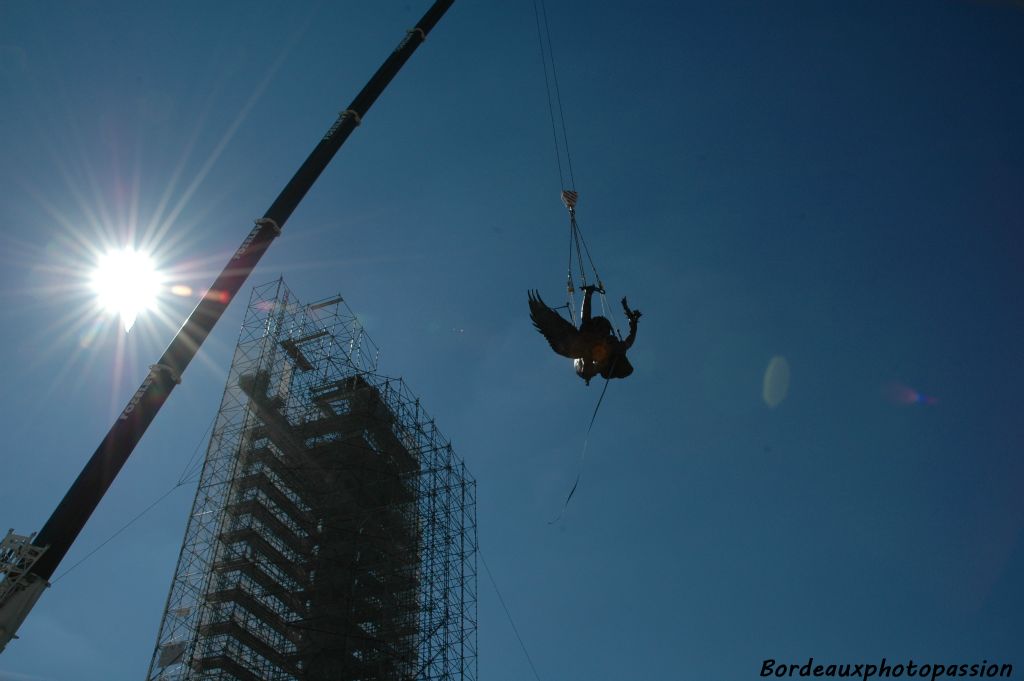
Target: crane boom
(28, 562)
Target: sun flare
(126, 283)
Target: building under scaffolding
(333, 533)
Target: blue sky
(836, 183)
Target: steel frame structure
(333, 532)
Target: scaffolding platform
(333, 532)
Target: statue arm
(634, 317)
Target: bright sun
(126, 282)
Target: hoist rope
(548, 58)
(578, 247)
(580, 252)
(577, 244)
(577, 238)
(570, 286)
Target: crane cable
(577, 245)
(547, 56)
(189, 475)
(577, 250)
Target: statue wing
(560, 334)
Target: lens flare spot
(776, 381)
(898, 393)
(181, 290)
(220, 296)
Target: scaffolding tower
(333, 532)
